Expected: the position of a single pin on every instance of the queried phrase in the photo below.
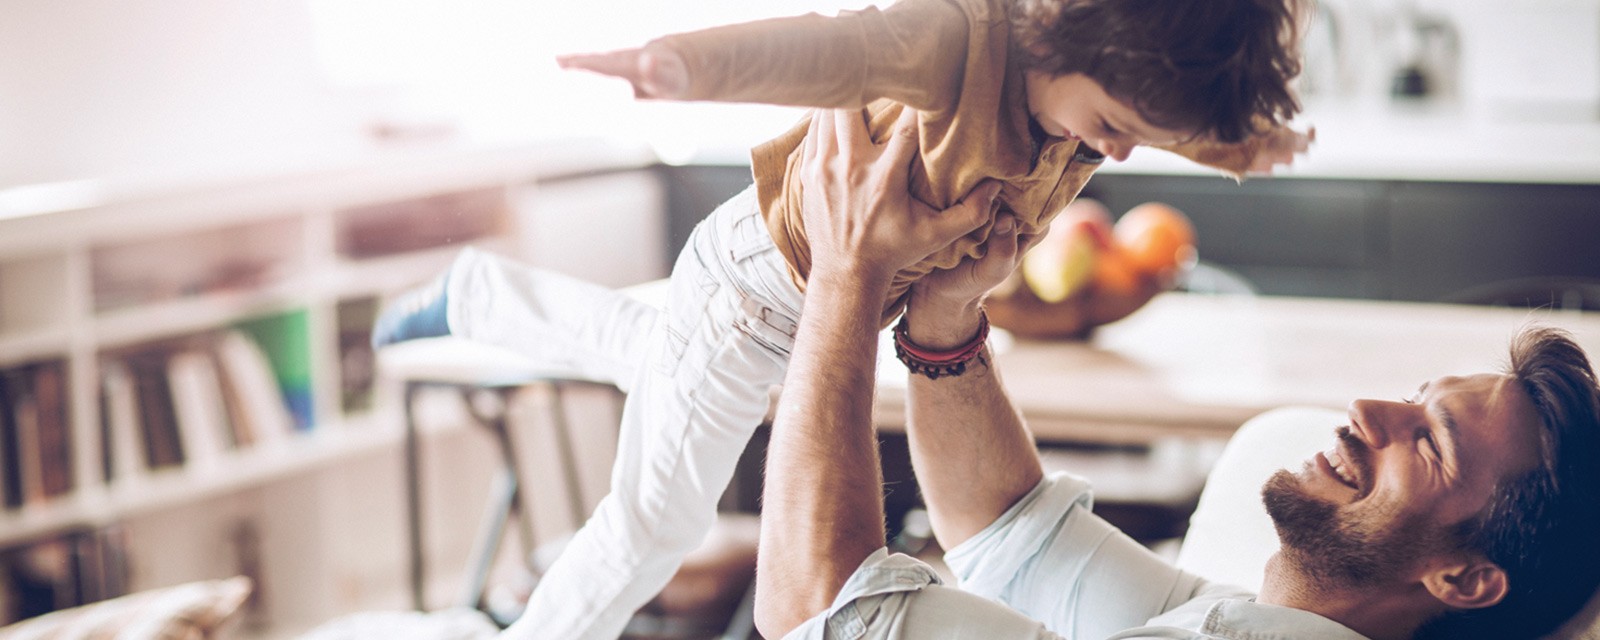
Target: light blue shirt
(1049, 568)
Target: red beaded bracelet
(938, 364)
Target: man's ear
(1467, 583)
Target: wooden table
(1199, 366)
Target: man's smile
(1334, 464)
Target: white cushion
(192, 611)
(449, 624)
(1230, 535)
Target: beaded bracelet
(938, 364)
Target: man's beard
(1342, 549)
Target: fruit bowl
(1087, 272)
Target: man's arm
(822, 507)
(972, 453)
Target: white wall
(185, 89)
(175, 90)
(96, 88)
(1540, 54)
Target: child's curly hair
(1217, 67)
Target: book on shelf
(119, 414)
(10, 454)
(187, 403)
(38, 439)
(357, 363)
(29, 456)
(64, 571)
(157, 417)
(40, 576)
(8, 599)
(202, 420)
(260, 415)
(285, 338)
(55, 428)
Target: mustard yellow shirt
(950, 60)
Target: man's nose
(1375, 420)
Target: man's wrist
(850, 277)
(943, 327)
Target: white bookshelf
(192, 315)
(95, 283)
(33, 344)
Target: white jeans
(699, 385)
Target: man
(1466, 510)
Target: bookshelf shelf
(192, 315)
(28, 345)
(33, 521)
(166, 488)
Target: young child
(1023, 97)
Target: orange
(1157, 237)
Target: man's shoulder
(1226, 611)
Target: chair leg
(566, 451)
(414, 501)
(491, 532)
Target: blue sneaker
(421, 313)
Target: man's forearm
(822, 506)
(972, 453)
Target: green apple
(1056, 269)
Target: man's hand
(656, 72)
(971, 280)
(943, 308)
(858, 212)
(1280, 146)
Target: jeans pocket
(673, 344)
(691, 292)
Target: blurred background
(180, 175)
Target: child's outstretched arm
(656, 72)
(914, 52)
(1259, 154)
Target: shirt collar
(1239, 619)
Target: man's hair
(1541, 527)
(1220, 68)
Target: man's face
(1399, 477)
(1074, 106)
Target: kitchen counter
(1199, 366)
(1422, 144)
(1369, 141)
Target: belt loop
(745, 250)
(767, 316)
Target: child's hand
(656, 72)
(1280, 146)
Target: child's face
(1074, 106)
